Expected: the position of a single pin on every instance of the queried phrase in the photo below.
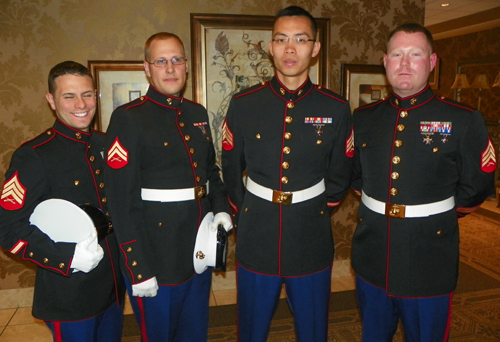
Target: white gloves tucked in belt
(148, 288)
(85, 260)
(224, 219)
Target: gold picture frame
(363, 83)
(117, 82)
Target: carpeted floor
(476, 304)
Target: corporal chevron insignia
(117, 155)
(227, 137)
(488, 158)
(349, 145)
(13, 194)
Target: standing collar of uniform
(71, 133)
(164, 100)
(287, 95)
(412, 101)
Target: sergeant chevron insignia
(13, 194)
(117, 155)
(227, 137)
(488, 158)
(349, 145)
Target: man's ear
(316, 48)
(50, 99)
(271, 48)
(146, 69)
(433, 61)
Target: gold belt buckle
(199, 192)
(395, 210)
(282, 197)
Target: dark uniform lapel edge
(454, 104)
(293, 96)
(422, 97)
(319, 89)
(373, 104)
(246, 91)
(155, 96)
(64, 130)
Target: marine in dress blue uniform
(295, 144)
(163, 180)
(66, 163)
(421, 161)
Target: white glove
(224, 219)
(148, 288)
(85, 260)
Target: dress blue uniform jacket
(286, 141)
(417, 150)
(160, 142)
(61, 163)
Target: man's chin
(171, 91)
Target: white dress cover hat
(63, 221)
(210, 247)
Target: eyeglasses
(297, 40)
(162, 62)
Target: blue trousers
(308, 297)
(424, 319)
(105, 327)
(178, 313)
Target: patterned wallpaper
(477, 52)
(37, 34)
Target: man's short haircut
(296, 11)
(412, 28)
(66, 68)
(160, 36)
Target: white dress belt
(407, 211)
(283, 197)
(174, 195)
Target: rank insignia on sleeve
(488, 158)
(13, 194)
(117, 155)
(227, 137)
(349, 145)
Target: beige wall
(37, 34)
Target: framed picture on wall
(230, 53)
(363, 84)
(117, 82)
